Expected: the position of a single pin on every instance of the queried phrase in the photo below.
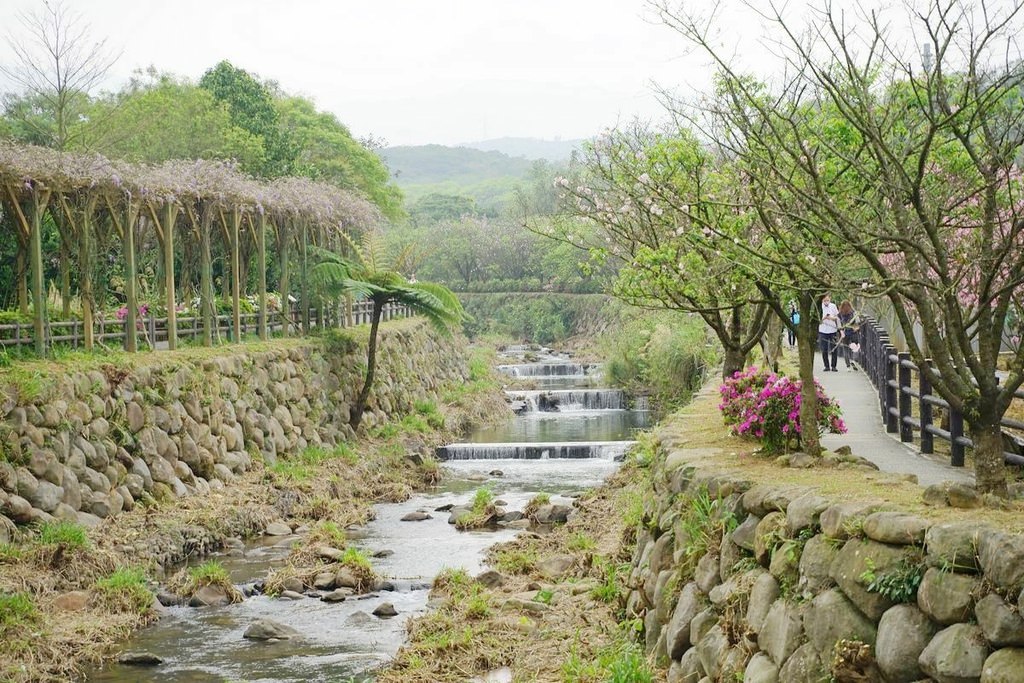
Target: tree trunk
(772, 342)
(733, 362)
(806, 336)
(989, 469)
(371, 367)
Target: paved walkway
(866, 433)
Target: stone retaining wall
(105, 440)
(784, 591)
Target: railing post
(956, 430)
(152, 329)
(891, 420)
(903, 373)
(879, 375)
(74, 334)
(925, 389)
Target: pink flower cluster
(765, 406)
(122, 312)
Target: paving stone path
(866, 433)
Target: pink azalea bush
(759, 404)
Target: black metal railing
(893, 374)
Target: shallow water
(343, 641)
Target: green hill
(425, 164)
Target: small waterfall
(549, 369)
(565, 400)
(608, 450)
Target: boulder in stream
(139, 659)
(267, 629)
(385, 610)
(277, 529)
(417, 516)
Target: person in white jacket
(828, 332)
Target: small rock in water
(496, 473)
(385, 610)
(339, 595)
(444, 508)
(384, 553)
(500, 502)
(278, 529)
(139, 659)
(292, 584)
(267, 629)
(170, 599)
(210, 596)
(477, 477)
(291, 595)
(329, 553)
(416, 517)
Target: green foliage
(327, 151)
(66, 535)
(702, 522)
(899, 583)
(17, 612)
(428, 409)
(126, 590)
(250, 104)
(478, 604)
(355, 558)
(209, 573)
(665, 354)
(579, 541)
(536, 318)
(10, 553)
(544, 596)
(518, 560)
(621, 662)
(611, 586)
(303, 466)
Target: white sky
(412, 71)
(420, 71)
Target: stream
(565, 438)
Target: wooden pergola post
(261, 247)
(131, 296)
(39, 201)
(305, 283)
(236, 313)
(170, 216)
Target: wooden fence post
(956, 430)
(925, 389)
(891, 419)
(905, 399)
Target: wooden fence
(154, 329)
(899, 384)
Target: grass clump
(19, 621)
(303, 467)
(516, 560)
(191, 580)
(67, 536)
(10, 553)
(536, 503)
(481, 512)
(621, 662)
(125, 590)
(580, 542)
(610, 588)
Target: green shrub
(126, 591)
(17, 612)
(66, 535)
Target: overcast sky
(419, 71)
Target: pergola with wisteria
(187, 206)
